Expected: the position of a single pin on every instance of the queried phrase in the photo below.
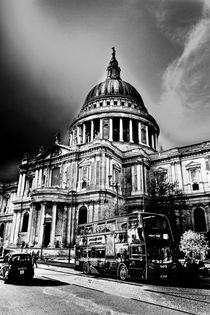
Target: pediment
(161, 170)
(193, 165)
(54, 151)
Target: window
(55, 176)
(25, 222)
(101, 104)
(143, 135)
(115, 103)
(107, 103)
(122, 103)
(199, 220)
(82, 215)
(195, 177)
(84, 176)
(195, 186)
(84, 184)
(2, 230)
(100, 252)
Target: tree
(194, 245)
(168, 199)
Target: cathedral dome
(114, 86)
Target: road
(57, 290)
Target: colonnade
(115, 129)
(39, 217)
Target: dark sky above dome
(53, 52)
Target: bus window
(122, 224)
(136, 251)
(121, 237)
(121, 251)
(88, 230)
(85, 252)
(93, 252)
(81, 252)
(78, 253)
(81, 231)
(100, 252)
(110, 226)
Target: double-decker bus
(139, 245)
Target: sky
(54, 51)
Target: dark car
(17, 266)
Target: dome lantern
(113, 70)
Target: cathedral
(105, 170)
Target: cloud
(184, 106)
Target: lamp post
(116, 186)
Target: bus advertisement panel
(139, 245)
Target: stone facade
(111, 156)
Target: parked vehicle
(17, 266)
(192, 268)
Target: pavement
(58, 262)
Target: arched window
(199, 220)
(2, 230)
(25, 222)
(82, 215)
(195, 186)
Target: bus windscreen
(158, 238)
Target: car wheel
(123, 273)
(86, 268)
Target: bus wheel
(123, 273)
(86, 268)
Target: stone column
(91, 131)
(36, 179)
(40, 178)
(13, 228)
(30, 225)
(53, 225)
(84, 133)
(101, 128)
(23, 184)
(156, 140)
(139, 133)
(78, 134)
(70, 140)
(121, 129)
(63, 227)
(19, 185)
(147, 135)
(153, 140)
(17, 226)
(110, 129)
(41, 224)
(131, 130)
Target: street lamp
(116, 186)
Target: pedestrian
(35, 258)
